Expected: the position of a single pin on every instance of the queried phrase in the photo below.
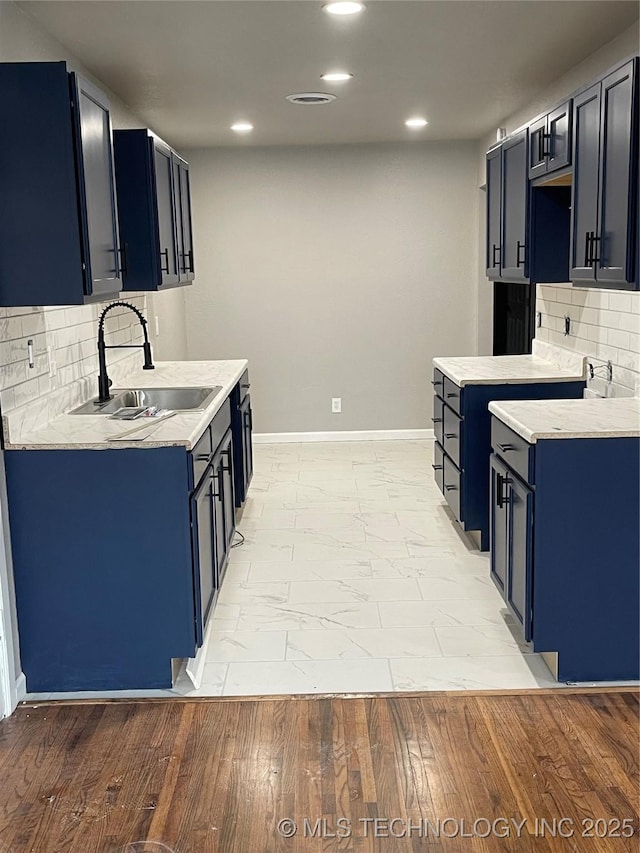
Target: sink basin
(178, 399)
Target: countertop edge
(556, 374)
(206, 416)
(532, 436)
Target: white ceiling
(190, 69)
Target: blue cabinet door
(557, 146)
(167, 230)
(498, 527)
(586, 160)
(94, 151)
(203, 548)
(538, 133)
(494, 194)
(519, 578)
(185, 230)
(613, 251)
(515, 207)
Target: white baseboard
(21, 687)
(347, 435)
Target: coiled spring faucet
(104, 383)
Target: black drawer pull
(452, 394)
(595, 258)
(505, 448)
(501, 482)
(520, 248)
(451, 488)
(202, 457)
(435, 382)
(451, 435)
(494, 262)
(165, 253)
(248, 385)
(438, 467)
(436, 420)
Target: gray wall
(339, 271)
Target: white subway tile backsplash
(605, 326)
(29, 397)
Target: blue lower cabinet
(127, 561)
(462, 427)
(570, 576)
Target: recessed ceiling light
(344, 7)
(416, 122)
(242, 127)
(336, 76)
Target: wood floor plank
(434, 770)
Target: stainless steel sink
(177, 399)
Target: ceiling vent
(311, 98)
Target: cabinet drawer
(438, 466)
(452, 434)
(438, 418)
(201, 455)
(453, 395)
(220, 424)
(244, 384)
(513, 449)
(452, 485)
(438, 382)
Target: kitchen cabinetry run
(549, 549)
(527, 228)
(59, 241)
(131, 551)
(242, 422)
(462, 423)
(605, 157)
(154, 204)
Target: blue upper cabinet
(494, 206)
(59, 240)
(154, 206)
(550, 142)
(515, 208)
(604, 204)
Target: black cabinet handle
(165, 253)
(122, 255)
(494, 262)
(505, 448)
(220, 493)
(438, 467)
(521, 247)
(540, 146)
(436, 420)
(436, 382)
(451, 488)
(451, 435)
(452, 394)
(188, 255)
(247, 386)
(587, 247)
(595, 255)
(544, 152)
(501, 482)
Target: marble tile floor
(354, 578)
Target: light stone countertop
(595, 418)
(90, 432)
(506, 370)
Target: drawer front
(452, 434)
(201, 455)
(438, 382)
(220, 424)
(452, 486)
(438, 418)
(438, 466)
(453, 395)
(244, 384)
(512, 449)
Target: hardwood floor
(217, 776)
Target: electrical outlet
(336, 405)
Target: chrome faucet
(104, 383)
